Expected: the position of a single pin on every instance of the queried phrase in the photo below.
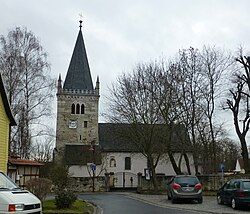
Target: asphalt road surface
(119, 204)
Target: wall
(138, 164)
(81, 134)
(4, 137)
(86, 184)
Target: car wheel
(174, 201)
(234, 204)
(219, 200)
(200, 200)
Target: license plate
(188, 189)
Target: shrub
(60, 176)
(65, 199)
(39, 186)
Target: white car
(15, 200)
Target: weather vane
(81, 17)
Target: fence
(209, 182)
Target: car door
(222, 192)
(229, 191)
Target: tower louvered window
(77, 108)
(82, 109)
(73, 109)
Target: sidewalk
(209, 204)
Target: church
(90, 148)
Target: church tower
(77, 103)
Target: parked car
(235, 192)
(184, 187)
(15, 200)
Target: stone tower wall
(80, 134)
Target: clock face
(72, 124)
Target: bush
(39, 186)
(65, 199)
(60, 176)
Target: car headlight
(16, 207)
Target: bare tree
(42, 151)
(133, 103)
(215, 64)
(148, 100)
(190, 82)
(239, 105)
(25, 69)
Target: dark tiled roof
(6, 103)
(78, 154)
(78, 75)
(112, 137)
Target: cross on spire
(81, 18)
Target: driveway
(112, 203)
(209, 204)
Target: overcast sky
(118, 34)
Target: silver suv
(184, 187)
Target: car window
(6, 182)
(227, 185)
(231, 185)
(246, 185)
(188, 180)
(236, 184)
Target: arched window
(77, 108)
(82, 109)
(112, 162)
(127, 163)
(73, 109)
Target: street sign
(93, 167)
(222, 167)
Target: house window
(127, 163)
(112, 162)
(85, 124)
(73, 109)
(77, 108)
(82, 109)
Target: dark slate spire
(78, 75)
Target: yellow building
(6, 121)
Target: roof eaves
(6, 103)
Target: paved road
(209, 204)
(119, 204)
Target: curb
(97, 209)
(171, 207)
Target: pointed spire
(59, 84)
(78, 75)
(97, 86)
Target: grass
(78, 207)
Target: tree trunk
(245, 155)
(174, 165)
(187, 163)
(152, 169)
